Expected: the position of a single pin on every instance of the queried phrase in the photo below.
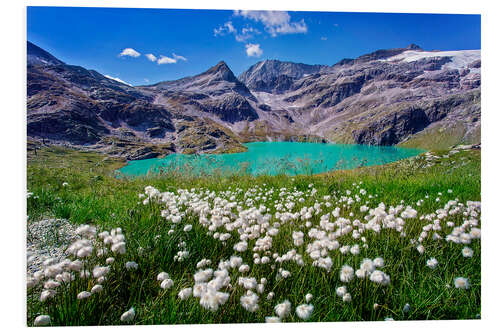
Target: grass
(95, 196)
(439, 137)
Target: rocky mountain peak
(275, 75)
(222, 72)
(414, 47)
(38, 56)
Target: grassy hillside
(82, 188)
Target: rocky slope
(402, 96)
(385, 97)
(82, 108)
(274, 76)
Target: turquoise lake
(291, 158)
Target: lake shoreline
(273, 158)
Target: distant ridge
(385, 97)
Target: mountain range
(403, 96)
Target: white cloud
(118, 79)
(324, 38)
(151, 57)
(253, 50)
(179, 57)
(275, 22)
(225, 29)
(166, 60)
(129, 52)
(228, 28)
(246, 33)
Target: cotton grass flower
(304, 311)
(96, 289)
(244, 268)
(162, 276)
(86, 230)
(467, 252)
(128, 315)
(378, 262)
(235, 261)
(84, 252)
(367, 265)
(42, 320)
(362, 273)
(273, 320)
(99, 271)
(285, 274)
(131, 265)
(432, 263)
(51, 284)
(166, 284)
(346, 273)
(461, 283)
(341, 291)
(241, 246)
(203, 275)
(211, 299)
(199, 289)
(118, 248)
(283, 309)
(38, 275)
(31, 282)
(380, 277)
(247, 283)
(309, 297)
(83, 295)
(346, 298)
(185, 293)
(475, 233)
(250, 301)
(46, 294)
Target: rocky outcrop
(379, 54)
(199, 135)
(38, 56)
(275, 76)
(405, 120)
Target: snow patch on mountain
(459, 59)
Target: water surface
(273, 158)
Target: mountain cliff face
(216, 92)
(275, 76)
(385, 100)
(402, 96)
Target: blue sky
(119, 42)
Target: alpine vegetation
(266, 249)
